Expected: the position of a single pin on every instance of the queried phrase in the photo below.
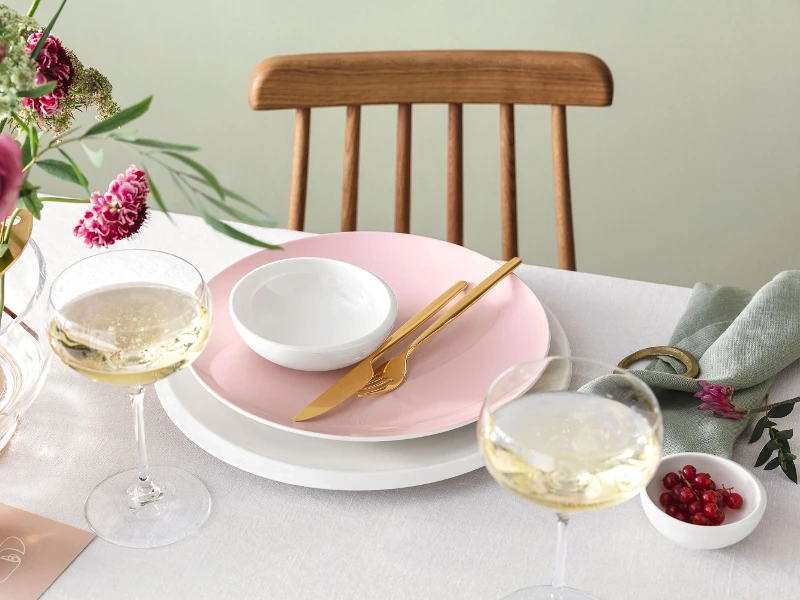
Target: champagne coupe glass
(129, 318)
(569, 434)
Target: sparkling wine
(130, 335)
(570, 451)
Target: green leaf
(95, 156)
(66, 199)
(790, 471)
(784, 444)
(46, 32)
(237, 214)
(773, 464)
(218, 225)
(30, 201)
(81, 177)
(157, 195)
(38, 91)
(789, 456)
(230, 194)
(34, 133)
(3, 248)
(60, 170)
(766, 452)
(758, 430)
(778, 412)
(24, 141)
(207, 175)
(119, 119)
(163, 145)
(126, 135)
(231, 232)
(786, 434)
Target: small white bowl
(312, 314)
(738, 523)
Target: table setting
(360, 414)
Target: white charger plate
(316, 462)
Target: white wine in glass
(571, 435)
(130, 318)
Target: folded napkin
(740, 340)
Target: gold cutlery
(391, 374)
(363, 373)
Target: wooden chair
(456, 77)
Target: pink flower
(10, 174)
(117, 214)
(3, 50)
(53, 64)
(718, 399)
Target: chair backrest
(453, 77)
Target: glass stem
(561, 552)
(144, 491)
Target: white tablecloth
(461, 539)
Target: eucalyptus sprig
(778, 440)
(196, 182)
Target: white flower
(17, 70)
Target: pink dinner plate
(448, 375)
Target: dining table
(464, 538)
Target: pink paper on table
(34, 551)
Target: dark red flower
(53, 64)
(117, 214)
(718, 399)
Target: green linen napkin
(740, 340)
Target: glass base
(548, 592)
(182, 507)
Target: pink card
(34, 551)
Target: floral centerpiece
(42, 84)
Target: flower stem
(33, 7)
(11, 219)
(6, 235)
(766, 407)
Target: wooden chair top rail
(431, 77)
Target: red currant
(710, 510)
(708, 497)
(671, 480)
(672, 510)
(719, 517)
(665, 499)
(682, 508)
(686, 495)
(689, 472)
(711, 484)
(695, 507)
(676, 494)
(701, 481)
(682, 517)
(699, 519)
(734, 501)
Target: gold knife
(362, 373)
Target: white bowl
(312, 314)
(738, 523)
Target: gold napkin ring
(688, 361)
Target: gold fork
(391, 374)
